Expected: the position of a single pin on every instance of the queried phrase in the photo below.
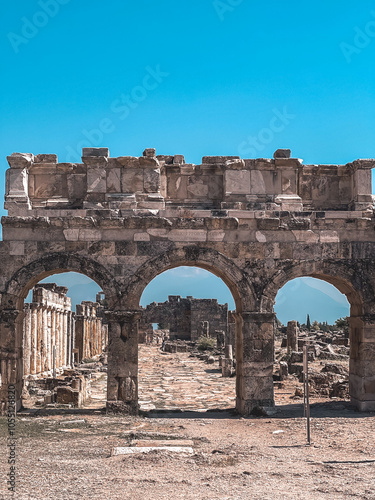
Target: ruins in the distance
(255, 223)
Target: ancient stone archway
(244, 297)
(256, 223)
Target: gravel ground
(234, 458)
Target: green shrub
(206, 344)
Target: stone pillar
(122, 388)
(34, 339)
(53, 333)
(68, 339)
(220, 338)
(44, 339)
(227, 362)
(73, 337)
(361, 185)
(11, 363)
(61, 339)
(39, 326)
(27, 341)
(57, 338)
(17, 177)
(49, 343)
(64, 338)
(292, 336)
(254, 361)
(362, 362)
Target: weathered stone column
(254, 360)
(64, 338)
(39, 326)
(11, 363)
(27, 341)
(362, 362)
(44, 340)
(34, 339)
(53, 332)
(122, 388)
(49, 343)
(68, 339)
(57, 338)
(292, 336)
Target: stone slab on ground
(131, 450)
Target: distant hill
(303, 296)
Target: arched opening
(325, 312)
(188, 361)
(123, 383)
(65, 340)
(51, 337)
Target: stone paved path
(174, 381)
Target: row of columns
(47, 330)
(91, 333)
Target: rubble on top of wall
(156, 184)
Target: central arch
(123, 375)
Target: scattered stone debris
(328, 356)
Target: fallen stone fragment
(158, 443)
(130, 450)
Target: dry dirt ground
(66, 454)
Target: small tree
(308, 323)
(343, 325)
(315, 326)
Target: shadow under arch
(26, 277)
(210, 260)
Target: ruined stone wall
(184, 315)
(208, 310)
(150, 181)
(91, 334)
(48, 324)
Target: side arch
(208, 259)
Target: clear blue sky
(188, 77)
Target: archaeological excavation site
(254, 223)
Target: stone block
(282, 153)
(67, 395)
(151, 181)
(114, 180)
(96, 180)
(237, 182)
(89, 152)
